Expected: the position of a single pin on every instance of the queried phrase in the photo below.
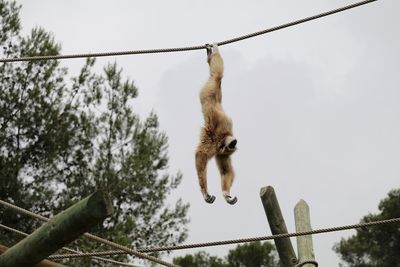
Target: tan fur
(217, 133)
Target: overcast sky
(315, 106)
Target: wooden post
(44, 263)
(278, 226)
(58, 231)
(304, 243)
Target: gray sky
(315, 107)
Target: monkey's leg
(201, 167)
(227, 174)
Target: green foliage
(255, 254)
(199, 259)
(376, 246)
(60, 140)
(9, 21)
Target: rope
(75, 252)
(293, 23)
(139, 252)
(235, 241)
(188, 48)
(313, 262)
(92, 237)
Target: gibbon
(216, 137)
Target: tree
(378, 245)
(60, 140)
(199, 259)
(255, 254)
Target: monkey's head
(227, 146)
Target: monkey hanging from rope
(216, 137)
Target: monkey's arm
(201, 167)
(216, 74)
(216, 64)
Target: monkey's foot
(230, 200)
(209, 198)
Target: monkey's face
(227, 146)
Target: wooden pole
(44, 263)
(304, 243)
(278, 226)
(58, 231)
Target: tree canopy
(63, 136)
(377, 246)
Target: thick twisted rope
(188, 48)
(75, 252)
(92, 237)
(236, 241)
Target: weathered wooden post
(43, 263)
(304, 243)
(58, 231)
(278, 226)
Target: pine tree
(61, 139)
(377, 246)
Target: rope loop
(307, 262)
